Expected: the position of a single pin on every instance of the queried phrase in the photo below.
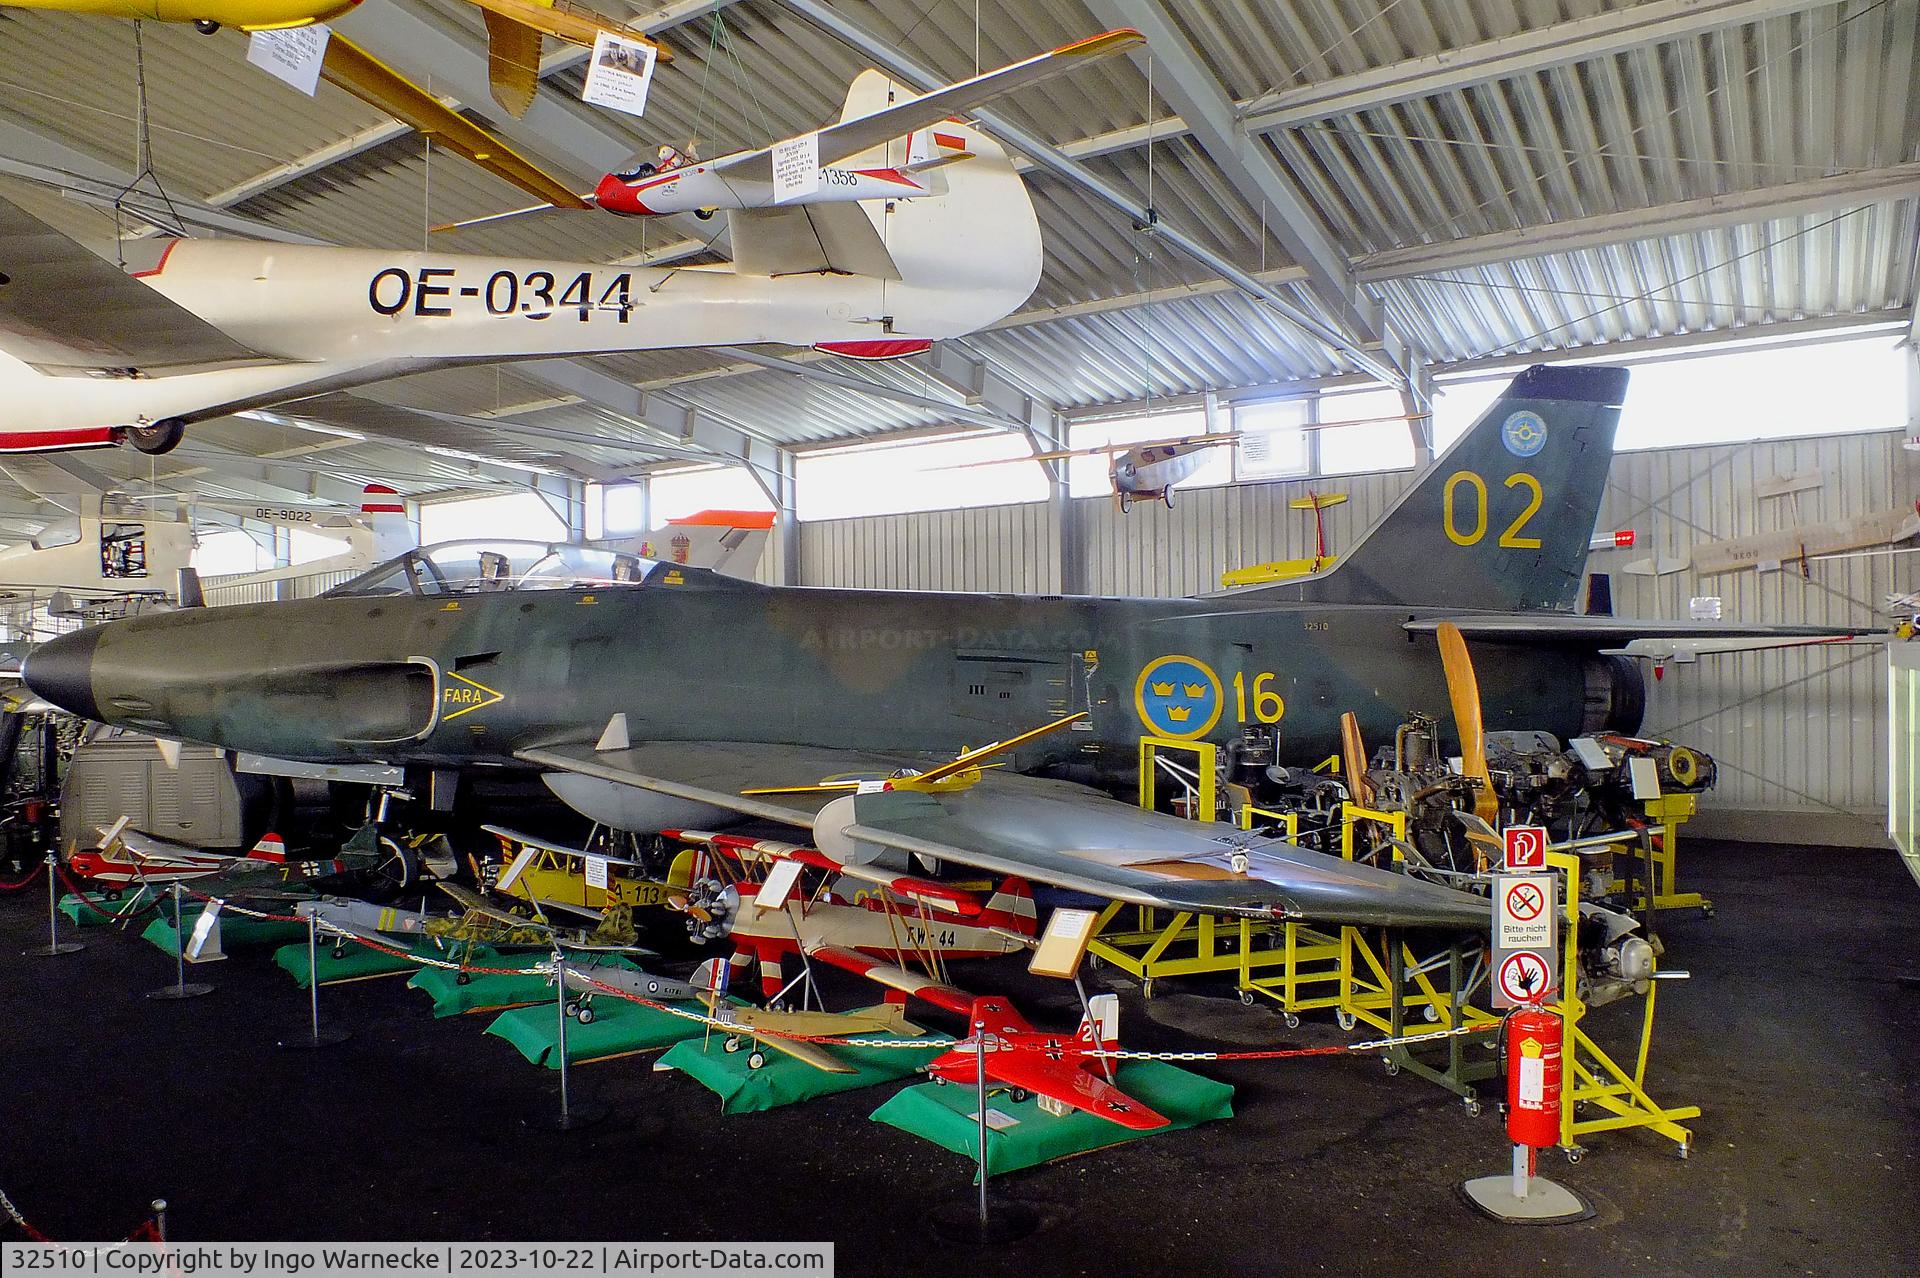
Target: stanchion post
(54, 946)
(314, 1037)
(313, 975)
(160, 1219)
(560, 1010)
(181, 987)
(572, 1116)
(980, 1085)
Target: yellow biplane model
(515, 32)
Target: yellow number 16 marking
(1510, 539)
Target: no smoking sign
(1525, 956)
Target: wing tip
(1106, 42)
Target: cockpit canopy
(486, 566)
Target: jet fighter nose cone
(61, 671)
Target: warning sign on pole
(1526, 847)
(1525, 937)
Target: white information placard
(796, 168)
(597, 872)
(293, 55)
(619, 73)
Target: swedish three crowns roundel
(1178, 697)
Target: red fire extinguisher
(1533, 1077)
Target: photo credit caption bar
(503, 1260)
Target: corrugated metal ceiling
(1797, 96)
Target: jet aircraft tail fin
(725, 541)
(1502, 519)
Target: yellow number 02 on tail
(1510, 539)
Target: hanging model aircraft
(90, 355)
(516, 30)
(917, 147)
(660, 705)
(1149, 469)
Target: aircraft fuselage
(471, 679)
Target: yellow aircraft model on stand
(515, 32)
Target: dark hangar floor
(1795, 1037)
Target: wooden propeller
(1464, 690)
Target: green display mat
(619, 1028)
(236, 931)
(357, 962)
(490, 991)
(944, 1116)
(784, 1080)
(81, 914)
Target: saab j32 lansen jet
(661, 704)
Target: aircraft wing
(475, 904)
(1064, 1081)
(862, 133)
(67, 311)
(894, 977)
(1621, 633)
(798, 239)
(376, 83)
(1067, 835)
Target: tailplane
(1502, 520)
(1012, 908)
(724, 541)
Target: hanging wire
(142, 158)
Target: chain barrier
(707, 1019)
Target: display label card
(619, 73)
(293, 55)
(796, 168)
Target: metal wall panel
(991, 548)
(1799, 731)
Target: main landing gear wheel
(397, 869)
(1019, 1095)
(584, 1013)
(756, 1059)
(161, 437)
(731, 1046)
(463, 978)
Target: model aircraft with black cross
(693, 700)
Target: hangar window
(1377, 445)
(1090, 476)
(615, 510)
(1717, 395)
(679, 493)
(977, 468)
(1766, 392)
(1272, 444)
(511, 515)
